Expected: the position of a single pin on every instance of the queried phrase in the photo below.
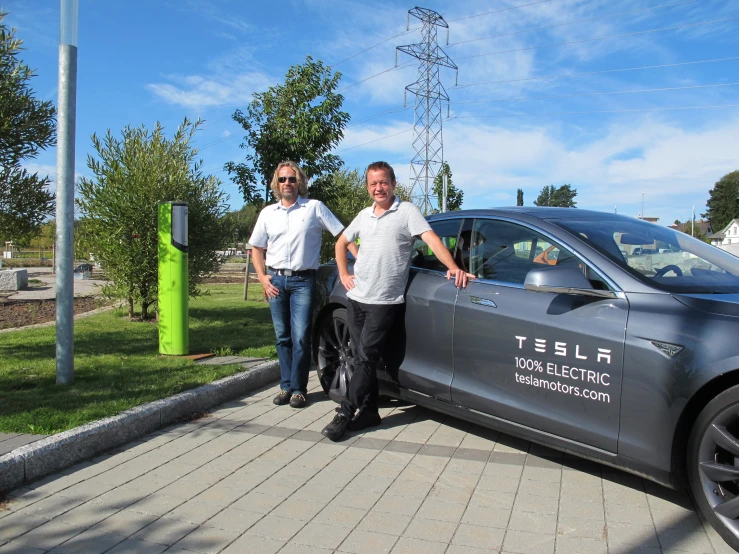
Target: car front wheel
(334, 364)
(713, 464)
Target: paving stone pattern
(255, 478)
(11, 441)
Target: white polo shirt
(292, 236)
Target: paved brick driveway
(254, 478)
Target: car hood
(722, 304)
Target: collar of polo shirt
(392, 208)
(300, 201)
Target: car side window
(448, 230)
(504, 251)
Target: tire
(713, 464)
(334, 360)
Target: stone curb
(60, 451)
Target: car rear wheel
(713, 464)
(334, 364)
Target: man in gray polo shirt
(376, 290)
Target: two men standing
(290, 231)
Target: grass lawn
(117, 362)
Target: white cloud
(49, 170)
(674, 166)
(41, 169)
(394, 137)
(195, 91)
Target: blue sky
(585, 123)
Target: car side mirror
(563, 280)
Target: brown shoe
(298, 401)
(282, 398)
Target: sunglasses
(289, 179)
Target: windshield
(662, 257)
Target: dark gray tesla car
(571, 336)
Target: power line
(207, 124)
(573, 22)
(458, 19)
(376, 140)
(545, 77)
(500, 10)
(395, 68)
(600, 38)
(210, 170)
(597, 93)
(397, 109)
(375, 46)
(217, 141)
(679, 108)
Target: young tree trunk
(130, 307)
(145, 310)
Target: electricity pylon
(429, 92)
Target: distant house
(727, 235)
(702, 227)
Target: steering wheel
(660, 272)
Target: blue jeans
(291, 316)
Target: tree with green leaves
(300, 120)
(723, 201)
(241, 222)
(563, 197)
(119, 206)
(545, 196)
(27, 125)
(519, 197)
(454, 196)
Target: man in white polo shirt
(376, 290)
(290, 231)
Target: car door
(548, 361)
(429, 300)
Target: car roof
(536, 211)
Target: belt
(291, 272)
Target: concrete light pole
(66, 122)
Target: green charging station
(174, 324)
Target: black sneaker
(282, 398)
(297, 401)
(336, 429)
(364, 419)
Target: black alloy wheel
(334, 365)
(713, 464)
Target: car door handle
(483, 302)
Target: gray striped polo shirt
(385, 244)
